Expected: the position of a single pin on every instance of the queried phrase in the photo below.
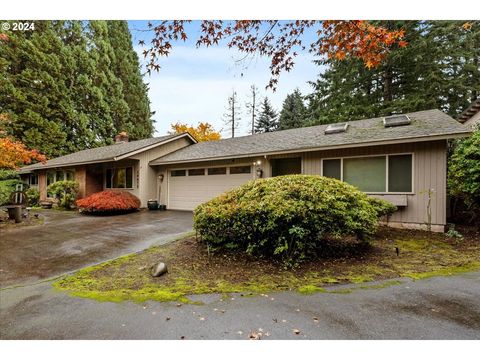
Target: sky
(194, 84)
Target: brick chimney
(121, 138)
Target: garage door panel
(187, 192)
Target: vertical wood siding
(430, 172)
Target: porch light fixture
(259, 173)
(161, 176)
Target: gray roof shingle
(424, 124)
(103, 153)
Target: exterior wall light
(259, 173)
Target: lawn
(192, 270)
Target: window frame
(240, 166)
(386, 171)
(217, 167)
(112, 169)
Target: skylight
(336, 128)
(396, 120)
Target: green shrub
(286, 217)
(33, 196)
(382, 207)
(6, 189)
(7, 174)
(65, 192)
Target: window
(374, 174)
(400, 173)
(217, 171)
(368, 174)
(196, 172)
(33, 180)
(50, 177)
(119, 178)
(332, 168)
(240, 170)
(69, 175)
(179, 173)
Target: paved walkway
(69, 241)
(436, 308)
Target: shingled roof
(425, 125)
(100, 154)
(470, 111)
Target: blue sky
(193, 84)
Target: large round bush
(109, 202)
(287, 217)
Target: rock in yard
(159, 269)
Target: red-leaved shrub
(109, 201)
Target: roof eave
(342, 146)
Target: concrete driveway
(68, 241)
(436, 308)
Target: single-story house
(402, 158)
(471, 115)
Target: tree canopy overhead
(281, 41)
(440, 68)
(71, 85)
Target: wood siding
(430, 172)
(147, 187)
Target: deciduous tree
(202, 132)
(280, 40)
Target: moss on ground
(193, 271)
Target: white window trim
(119, 167)
(386, 170)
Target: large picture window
(373, 174)
(119, 178)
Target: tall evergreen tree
(65, 88)
(293, 111)
(135, 93)
(32, 88)
(438, 69)
(267, 119)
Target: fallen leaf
(182, 337)
(297, 310)
(223, 311)
(296, 331)
(201, 319)
(167, 319)
(178, 305)
(284, 321)
(255, 335)
(315, 319)
(275, 320)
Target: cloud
(193, 85)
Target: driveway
(68, 241)
(436, 308)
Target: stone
(159, 269)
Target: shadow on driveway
(69, 241)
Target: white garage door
(188, 188)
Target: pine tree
(252, 106)
(438, 69)
(293, 111)
(232, 115)
(267, 119)
(32, 89)
(126, 67)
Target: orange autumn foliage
(280, 41)
(109, 201)
(14, 153)
(203, 132)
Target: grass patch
(193, 271)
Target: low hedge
(109, 202)
(287, 217)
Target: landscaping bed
(192, 270)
